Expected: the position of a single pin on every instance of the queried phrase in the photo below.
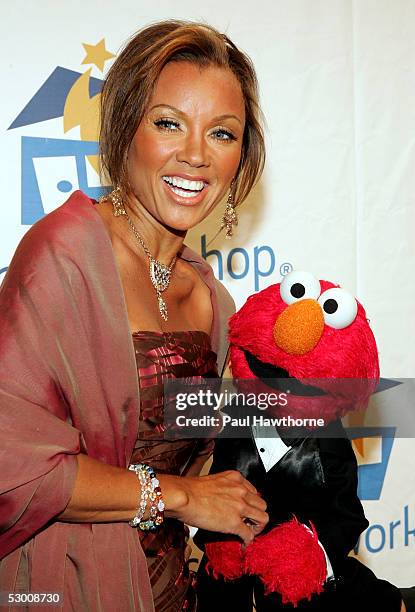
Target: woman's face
(187, 148)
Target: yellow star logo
(97, 54)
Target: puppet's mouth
(278, 378)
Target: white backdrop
(337, 80)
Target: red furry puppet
(310, 340)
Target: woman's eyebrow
(182, 114)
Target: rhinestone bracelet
(150, 491)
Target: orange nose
(299, 327)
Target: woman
(98, 293)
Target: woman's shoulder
(72, 232)
(77, 212)
(72, 225)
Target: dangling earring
(230, 217)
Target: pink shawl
(68, 383)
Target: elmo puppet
(312, 340)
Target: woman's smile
(185, 189)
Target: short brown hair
(131, 79)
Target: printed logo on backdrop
(373, 453)
(257, 263)
(372, 446)
(52, 167)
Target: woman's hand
(224, 502)
(218, 502)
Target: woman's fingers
(249, 529)
(219, 502)
(249, 496)
(250, 504)
(252, 517)
(245, 532)
(238, 478)
(250, 507)
(255, 501)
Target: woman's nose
(299, 327)
(193, 150)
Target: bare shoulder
(124, 256)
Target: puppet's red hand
(288, 560)
(225, 559)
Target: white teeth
(176, 181)
(184, 194)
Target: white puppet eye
(339, 307)
(299, 285)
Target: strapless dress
(161, 356)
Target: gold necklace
(160, 274)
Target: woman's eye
(167, 124)
(222, 134)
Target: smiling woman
(131, 83)
(187, 148)
(126, 306)
(181, 133)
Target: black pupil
(297, 290)
(330, 306)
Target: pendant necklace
(160, 274)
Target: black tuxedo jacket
(316, 480)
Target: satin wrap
(68, 384)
